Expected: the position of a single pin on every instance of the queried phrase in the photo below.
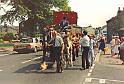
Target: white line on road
(109, 80)
(89, 74)
(93, 65)
(1, 70)
(90, 70)
(37, 58)
(87, 80)
(26, 61)
(31, 60)
(1, 55)
(102, 81)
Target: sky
(95, 12)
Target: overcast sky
(95, 12)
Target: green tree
(35, 9)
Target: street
(24, 69)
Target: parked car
(27, 45)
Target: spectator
(85, 44)
(102, 44)
(121, 50)
(117, 45)
(91, 52)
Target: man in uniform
(57, 50)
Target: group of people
(64, 49)
(117, 47)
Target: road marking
(102, 81)
(93, 65)
(97, 58)
(37, 58)
(89, 74)
(108, 80)
(87, 80)
(26, 61)
(1, 70)
(90, 70)
(31, 60)
(1, 55)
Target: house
(115, 24)
(103, 30)
(121, 31)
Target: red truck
(71, 17)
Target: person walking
(121, 50)
(112, 42)
(85, 44)
(57, 50)
(102, 44)
(91, 51)
(75, 50)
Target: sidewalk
(6, 49)
(109, 60)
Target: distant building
(115, 24)
(76, 29)
(14, 30)
(103, 30)
(90, 30)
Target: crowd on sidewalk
(117, 48)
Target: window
(3, 1)
(104, 31)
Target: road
(107, 71)
(24, 69)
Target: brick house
(115, 24)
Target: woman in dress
(102, 44)
(116, 46)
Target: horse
(68, 51)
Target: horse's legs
(71, 58)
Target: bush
(8, 37)
(1, 40)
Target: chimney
(119, 9)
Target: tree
(36, 9)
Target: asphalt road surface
(107, 71)
(24, 69)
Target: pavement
(107, 58)
(4, 47)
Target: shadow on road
(35, 68)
